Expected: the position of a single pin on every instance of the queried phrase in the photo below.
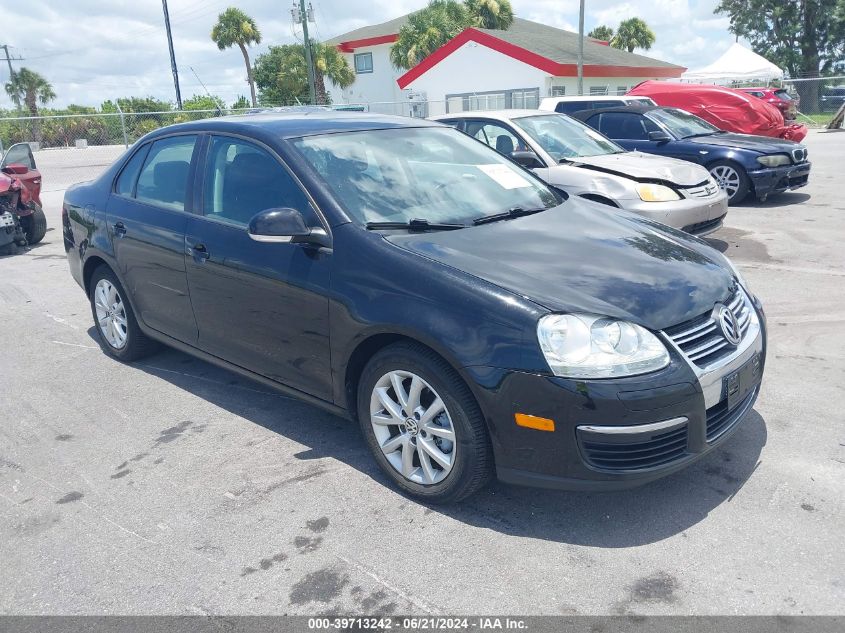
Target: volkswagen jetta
(473, 319)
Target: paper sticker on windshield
(504, 176)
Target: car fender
(578, 181)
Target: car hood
(583, 257)
(646, 167)
(762, 144)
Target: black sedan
(473, 319)
(742, 164)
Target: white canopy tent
(736, 64)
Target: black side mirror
(285, 225)
(659, 137)
(526, 158)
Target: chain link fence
(819, 98)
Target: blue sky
(92, 50)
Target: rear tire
(114, 319)
(731, 177)
(34, 226)
(468, 456)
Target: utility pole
(172, 55)
(581, 50)
(5, 48)
(304, 18)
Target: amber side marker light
(533, 422)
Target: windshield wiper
(415, 225)
(513, 212)
(713, 133)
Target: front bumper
(778, 179)
(620, 433)
(698, 216)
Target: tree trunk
(320, 88)
(809, 90)
(32, 106)
(249, 74)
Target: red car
(21, 155)
(778, 97)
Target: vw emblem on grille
(729, 325)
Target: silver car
(568, 154)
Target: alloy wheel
(111, 314)
(413, 428)
(728, 179)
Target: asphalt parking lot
(174, 487)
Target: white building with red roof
(486, 68)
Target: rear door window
(568, 107)
(163, 180)
(624, 125)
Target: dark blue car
(396, 271)
(741, 163)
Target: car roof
(636, 109)
(492, 114)
(296, 124)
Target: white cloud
(91, 50)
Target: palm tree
(329, 62)
(28, 86)
(236, 27)
(602, 33)
(490, 14)
(427, 30)
(633, 33)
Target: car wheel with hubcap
(115, 321)
(423, 425)
(732, 178)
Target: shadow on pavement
(615, 519)
(776, 200)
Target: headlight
(739, 277)
(591, 346)
(775, 160)
(649, 192)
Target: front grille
(702, 227)
(701, 338)
(658, 450)
(799, 155)
(709, 188)
(720, 420)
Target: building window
(528, 99)
(598, 90)
(558, 91)
(363, 63)
(621, 90)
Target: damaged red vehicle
(727, 109)
(22, 220)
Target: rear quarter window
(125, 185)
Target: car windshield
(564, 138)
(430, 173)
(783, 94)
(680, 123)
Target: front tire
(732, 178)
(35, 225)
(114, 319)
(423, 425)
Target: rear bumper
(778, 179)
(621, 433)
